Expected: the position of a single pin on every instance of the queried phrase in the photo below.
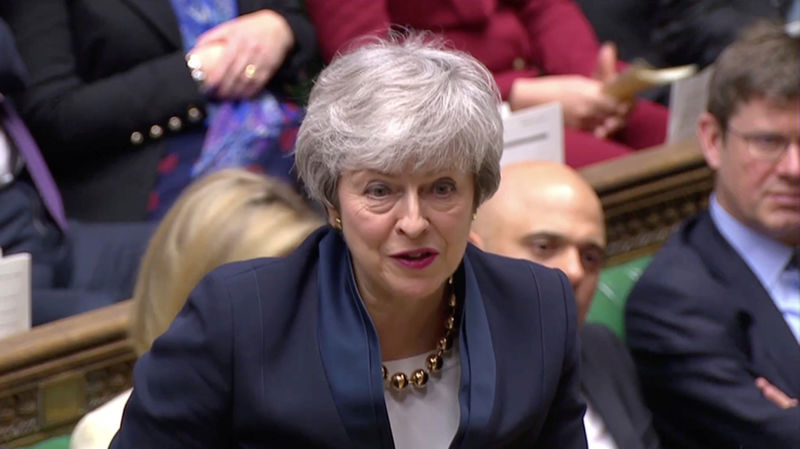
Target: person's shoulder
(290, 265)
(274, 276)
(598, 333)
(521, 284)
(494, 266)
(681, 256)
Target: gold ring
(250, 71)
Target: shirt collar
(766, 257)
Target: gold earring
(474, 216)
(338, 223)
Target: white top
(596, 431)
(10, 161)
(97, 428)
(429, 417)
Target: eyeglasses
(765, 145)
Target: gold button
(156, 131)
(518, 63)
(137, 138)
(194, 114)
(174, 123)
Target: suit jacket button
(194, 114)
(518, 63)
(137, 138)
(156, 131)
(174, 124)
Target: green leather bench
(608, 306)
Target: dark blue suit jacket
(701, 328)
(611, 386)
(278, 353)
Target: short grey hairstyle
(397, 103)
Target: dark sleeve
(690, 346)
(563, 427)
(601, 346)
(296, 65)
(12, 70)
(66, 112)
(695, 32)
(339, 22)
(182, 387)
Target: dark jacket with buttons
(108, 83)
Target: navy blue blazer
(281, 353)
(701, 328)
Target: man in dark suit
(713, 322)
(75, 266)
(545, 212)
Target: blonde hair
(227, 216)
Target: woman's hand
(584, 104)
(243, 53)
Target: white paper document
(687, 100)
(533, 134)
(15, 294)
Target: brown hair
(763, 62)
(227, 216)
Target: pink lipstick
(417, 258)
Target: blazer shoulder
(521, 286)
(510, 270)
(280, 276)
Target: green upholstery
(61, 442)
(608, 305)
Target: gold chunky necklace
(419, 378)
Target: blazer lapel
(350, 350)
(160, 14)
(598, 388)
(773, 334)
(478, 363)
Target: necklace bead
(399, 381)
(434, 362)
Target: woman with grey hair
(384, 329)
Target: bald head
(546, 212)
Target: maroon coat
(513, 38)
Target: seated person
(539, 51)
(713, 323)
(695, 32)
(75, 266)
(385, 329)
(227, 216)
(547, 213)
(130, 101)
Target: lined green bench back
(608, 306)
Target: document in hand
(687, 100)
(640, 76)
(15, 293)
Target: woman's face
(407, 233)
